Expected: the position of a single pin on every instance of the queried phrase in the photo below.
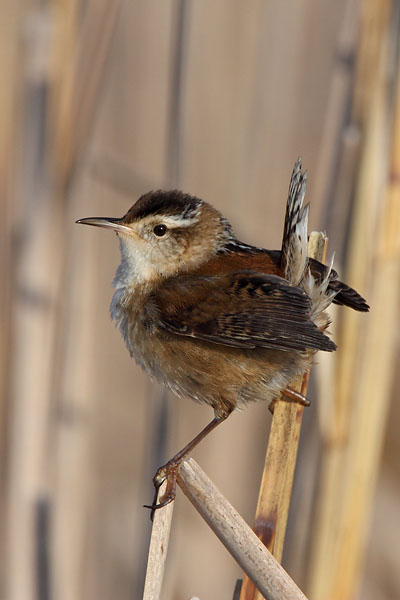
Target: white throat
(136, 266)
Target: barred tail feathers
(294, 260)
(320, 282)
(295, 232)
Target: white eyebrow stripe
(177, 221)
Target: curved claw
(167, 472)
(155, 506)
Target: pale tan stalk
(54, 55)
(277, 479)
(352, 443)
(372, 384)
(158, 549)
(80, 52)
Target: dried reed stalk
(371, 390)
(277, 479)
(353, 441)
(36, 278)
(38, 326)
(80, 57)
(10, 128)
(236, 535)
(333, 189)
(337, 105)
(80, 60)
(9, 133)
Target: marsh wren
(215, 319)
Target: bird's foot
(169, 471)
(166, 472)
(289, 395)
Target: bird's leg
(170, 469)
(289, 395)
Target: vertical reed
(353, 437)
(280, 461)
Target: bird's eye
(160, 230)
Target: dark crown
(160, 202)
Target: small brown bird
(215, 319)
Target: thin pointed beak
(107, 222)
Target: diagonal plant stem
(236, 535)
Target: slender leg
(290, 395)
(169, 470)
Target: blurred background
(103, 100)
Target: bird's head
(165, 233)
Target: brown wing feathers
(245, 310)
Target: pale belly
(207, 372)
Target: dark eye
(160, 230)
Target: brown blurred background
(101, 101)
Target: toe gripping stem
(290, 395)
(168, 472)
